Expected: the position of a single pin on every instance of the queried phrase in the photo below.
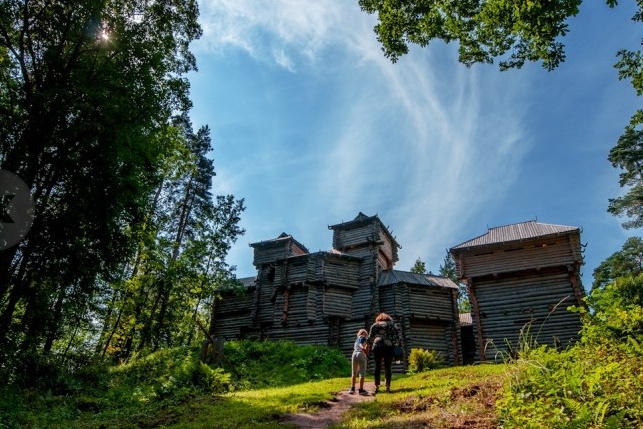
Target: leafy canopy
(625, 262)
(514, 30)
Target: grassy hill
(172, 389)
(594, 385)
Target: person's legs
(388, 364)
(363, 361)
(355, 369)
(377, 356)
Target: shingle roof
(362, 219)
(248, 281)
(391, 277)
(282, 237)
(516, 232)
(465, 319)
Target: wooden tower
(326, 297)
(520, 279)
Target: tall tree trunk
(54, 327)
(146, 332)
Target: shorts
(359, 361)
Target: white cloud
(422, 143)
(422, 149)
(282, 31)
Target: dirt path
(331, 411)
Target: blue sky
(311, 125)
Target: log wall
(414, 307)
(520, 292)
(431, 336)
(532, 309)
(326, 297)
(538, 253)
(233, 312)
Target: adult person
(382, 338)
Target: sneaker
(377, 389)
(388, 389)
(352, 390)
(363, 392)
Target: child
(359, 360)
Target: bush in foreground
(594, 384)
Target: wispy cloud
(422, 149)
(422, 142)
(284, 31)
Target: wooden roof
(465, 319)
(332, 253)
(391, 277)
(248, 281)
(360, 220)
(516, 232)
(282, 237)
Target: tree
(180, 260)
(86, 90)
(419, 267)
(617, 312)
(514, 32)
(626, 262)
(447, 269)
(485, 29)
(627, 155)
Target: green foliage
(514, 30)
(627, 156)
(180, 261)
(153, 388)
(594, 384)
(627, 261)
(87, 90)
(616, 311)
(447, 269)
(421, 360)
(282, 363)
(175, 373)
(588, 386)
(419, 267)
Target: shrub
(421, 360)
(616, 311)
(175, 372)
(282, 363)
(594, 384)
(587, 386)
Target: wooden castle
(326, 297)
(520, 280)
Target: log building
(326, 297)
(520, 280)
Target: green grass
(258, 408)
(410, 403)
(172, 389)
(445, 397)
